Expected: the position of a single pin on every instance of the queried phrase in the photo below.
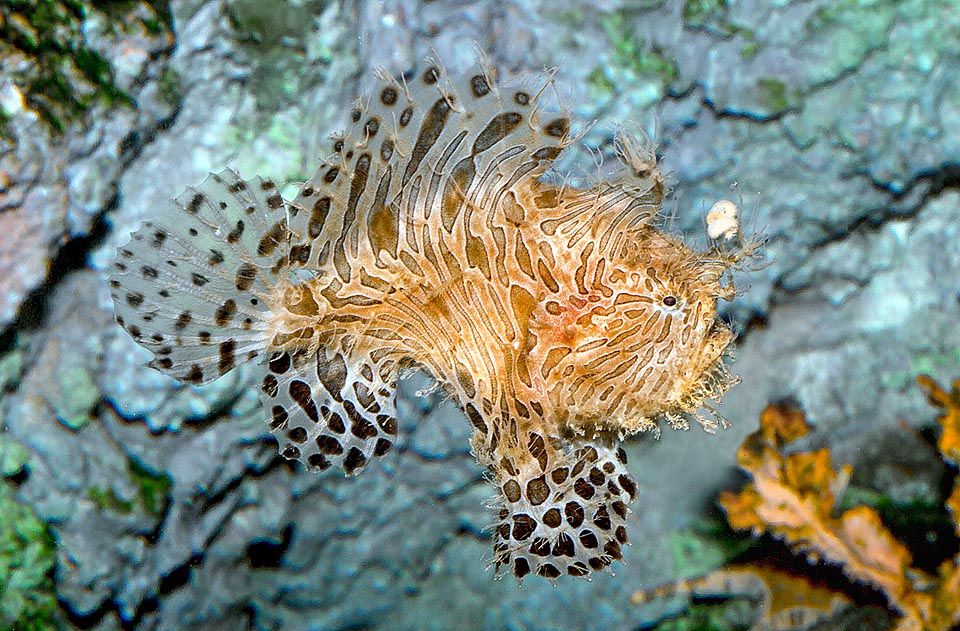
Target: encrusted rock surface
(170, 506)
(54, 187)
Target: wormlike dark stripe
(318, 216)
(245, 276)
(301, 393)
(455, 191)
(272, 238)
(438, 169)
(225, 312)
(430, 131)
(358, 185)
(501, 126)
(412, 194)
(384, 220)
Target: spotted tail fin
(193, 286)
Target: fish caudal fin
(196, 289)
(193, 287)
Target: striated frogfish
(435, 236)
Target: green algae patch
(64, 76)
(775, 96)
(922, 363)
(704, 546)
(106, 499)
(170, 86)
(715, 17)
(13, 457)
(854, 29)
(600, 82)
(280, 41)
(27, 555)
(630, 51)
(152, 492)
(11, 365)
(80, 396)
(699, 11)
(154, 487)
(631, 64)
(731, 615)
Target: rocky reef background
(142, 504)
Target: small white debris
(722, 220)
(11, 99)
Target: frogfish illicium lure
(560, 319)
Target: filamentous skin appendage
(560, 319)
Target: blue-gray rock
(170, 505)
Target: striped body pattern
(560, 319)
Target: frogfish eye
(669, 301)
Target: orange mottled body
(560, 319)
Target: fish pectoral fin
(567, 517)
(327, 410)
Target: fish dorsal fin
(193, 286)
(423, 151)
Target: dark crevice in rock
(174, 580)
(227, 490)
(249, 613)
(269, 553)
(179, 576)
(926, 185)
(943, 177)
(87, 620)
(753, 117)
(129, 419)
(220, 409)
(19, 478)
(71, 257)
(154, 535)
(470, 532)
(905, 204)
